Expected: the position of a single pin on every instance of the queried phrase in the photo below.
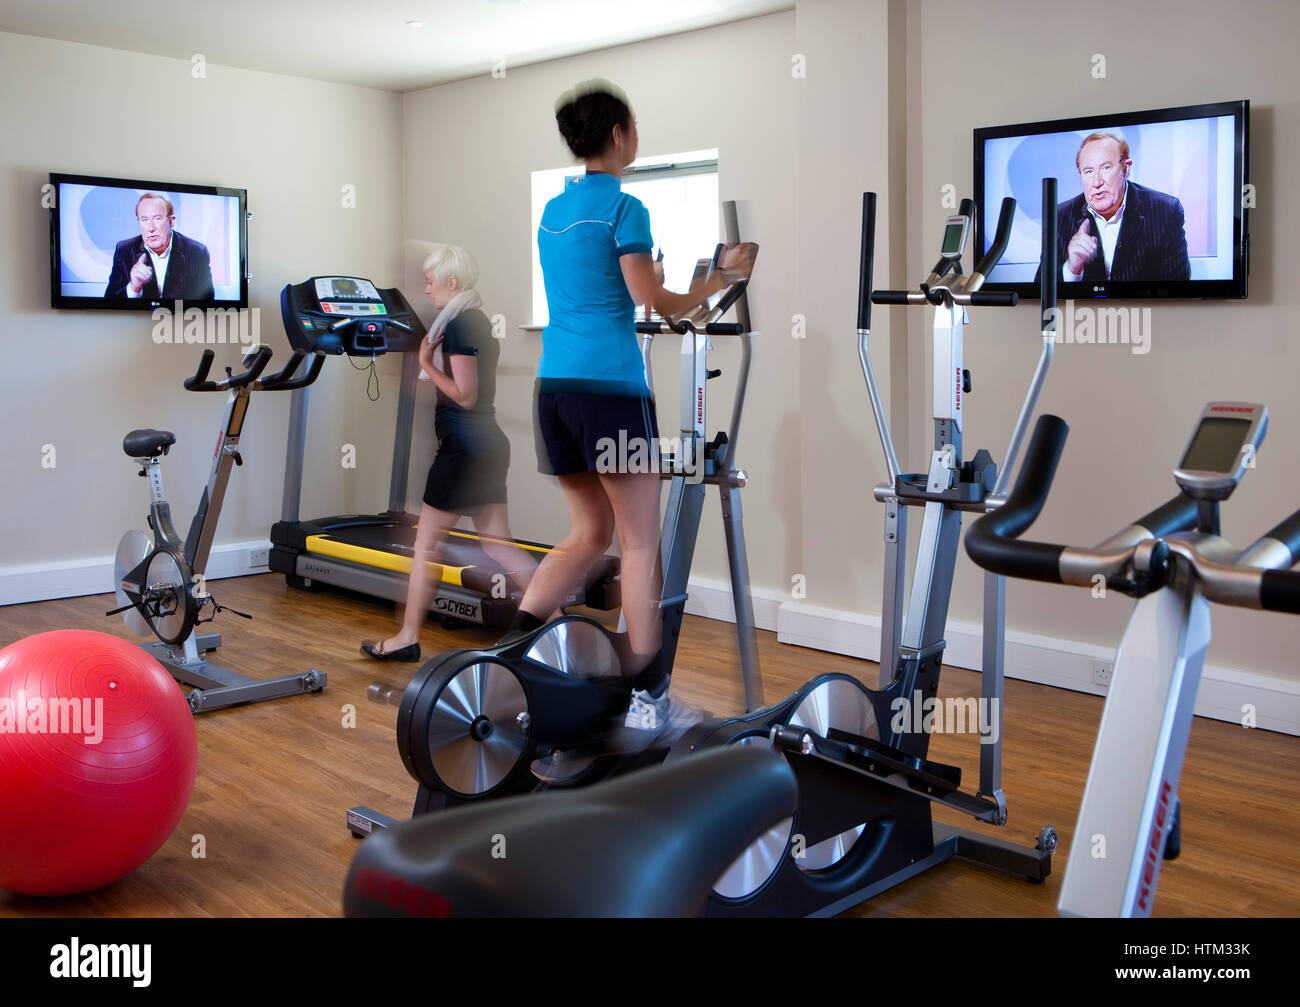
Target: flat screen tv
(126, 244)
(1152, 204)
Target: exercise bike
(1175, 563)
(473, 723)
(159, 582)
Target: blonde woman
(468, 475)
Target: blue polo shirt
(590, 344)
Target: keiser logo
(1155, 848)
(220, 435)
(1233, 409)
(699, 405)
(958, 386)
(407, 898)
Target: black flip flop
(375, 649)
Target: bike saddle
(147, 443)
(651, 843)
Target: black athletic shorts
(585, 432)
(470, 468)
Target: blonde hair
(1093, 137)
(447, 261)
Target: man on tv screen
(1116, 229)
(160, 263)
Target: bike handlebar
(1136, 569)
(255, 363)
(283, 379)
(992, 540)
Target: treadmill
(372, 553)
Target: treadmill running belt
(382, 554)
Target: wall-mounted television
(126, 244)
(1153, 204)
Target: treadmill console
(346, 314)
(1221, 449)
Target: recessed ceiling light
(415, 24)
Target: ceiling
(367, 42)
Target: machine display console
(1221, 449)
(348, 314)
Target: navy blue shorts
(584, 432)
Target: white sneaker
(654, 720)
(646, 712)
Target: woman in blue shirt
(593, 399)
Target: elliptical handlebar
(990, 299)
(946, 283)
(1047, 270)
(1000, 238)
(866, 261)
(665, 327)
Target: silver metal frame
(214, 687)
(911, 632)
(1130, 800)
(688, 475)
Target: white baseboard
(1224, 694)
(712, 599)
(1065, 664)
(75, 578)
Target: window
(681, 193)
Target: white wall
(471, 147)
(891, 94)
(1129, 415)
(78, 380)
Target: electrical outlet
(258, 557)
(1101, 672)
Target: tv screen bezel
(61, 301)
(1137, 289)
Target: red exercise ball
(97, 760)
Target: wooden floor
(275, 779)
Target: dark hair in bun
(588, 114)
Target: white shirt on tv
(1106, 230)
(159, 268)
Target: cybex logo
(461, 609)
